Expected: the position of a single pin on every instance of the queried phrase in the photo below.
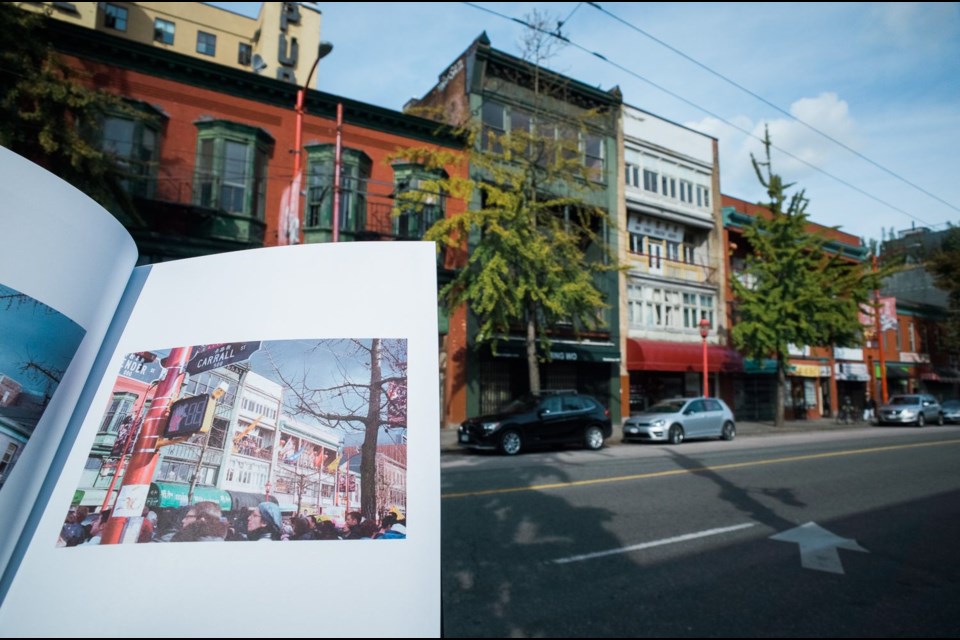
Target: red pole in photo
(143, 461)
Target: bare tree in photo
(360, 403)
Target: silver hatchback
(677, 419)
(917, 409)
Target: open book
(155, 421)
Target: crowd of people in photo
(206, 522)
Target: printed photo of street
(274, 440)
(37, 344)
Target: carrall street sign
(214, 356)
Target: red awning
(656, 355)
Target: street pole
(337, 164)
(704, 330)
(143, 462)
(880, 336)
(300, 109)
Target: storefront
(809, 390)
(853, 382)
(660, 369)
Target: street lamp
(288, 233)
(704, 330)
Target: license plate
(464, 437)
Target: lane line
(655, 543)
(705, 469)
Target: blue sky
(882, 78)
(30, 331)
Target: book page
(64, 263)
(251, 443)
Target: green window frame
(355, 166)
(132, 139)
(231, 167)
(419, 202)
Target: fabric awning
(246, 500)
(657, 355)
(895, 370)
(170, 494)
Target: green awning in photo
(172, 494)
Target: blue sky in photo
(880, 78)
(30, 331)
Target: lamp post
(293, 195)
(704, 330)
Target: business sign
(888, 314)
(214, 356)
(189, 416)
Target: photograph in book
(37, 344)
(282, 440)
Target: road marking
(818, 547)
(655, 543)
(677, 472)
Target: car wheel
(593, 437)
(729, 431)
(510, 443)
(676, 434)
(921, 420)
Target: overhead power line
(700, 108)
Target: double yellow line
(677, 472)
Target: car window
(665, 407)
(904, 400)
(551, 405)
(713, 405)
(696, 406)
(575, 403)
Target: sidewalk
(448, 437)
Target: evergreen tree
(802, 294)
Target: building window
(593, 156)
(163, 31)
(419, 202)
(206, 43)
(493, 117)
(703, 196)
(686, 191)
(355, 169)
(650, 180)
(115, 17)
(120, 406)
(231, 167)
(134, 145)
(245, 54)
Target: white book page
(64, 263)
(320, 295)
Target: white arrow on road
(818, 547)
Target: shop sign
(805, 370)
(855, 371)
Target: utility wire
(739, 86)
(699, 108)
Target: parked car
(951, 411)
(918, 409)
(533, 421)
(678, 419)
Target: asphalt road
(676, 540)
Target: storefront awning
(563, 350)
(938, 374)
(657, 355)
(895, 370)
(171, 494)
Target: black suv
(558, 418)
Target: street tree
(369, 372)
(799, 292)
(944, 266)
(535, 240)
(50, 115)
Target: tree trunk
(368, 451)
(781, 391)
(533, 363)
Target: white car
(678, 419)
(917, 409)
